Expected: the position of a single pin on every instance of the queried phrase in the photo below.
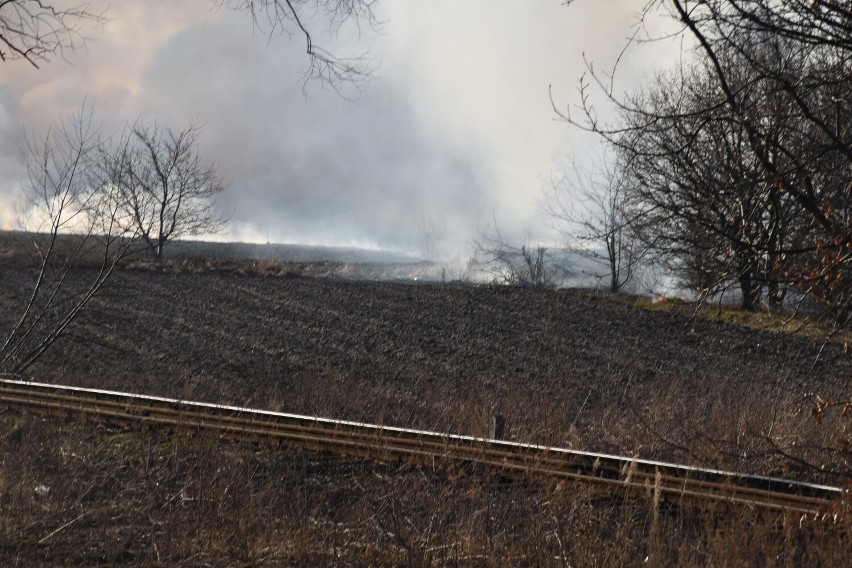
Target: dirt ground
(565, 367)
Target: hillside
(566, 367)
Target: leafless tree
(525, 265)
(710, 211)
(747, 144)
(592, 206)
(433, 232)
(296, 16)
(775, 81)
(90, 203)
(71, 224)
(162, 190)
(37, 30)
(821, 34)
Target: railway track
(671, 482)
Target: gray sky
(456, 127)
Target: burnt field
(570, 368)
(565, 367)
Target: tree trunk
(775, 294)
(750, 291)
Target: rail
(387, 443)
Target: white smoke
(456, 128)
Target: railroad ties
(671, 482)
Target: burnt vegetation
(570, 368)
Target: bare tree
(93, 203)
(90, 203)
(746, 147)
(774, 80)
(433, 232)
(593, 206)
(71, 223)
(294, 16)
(710, 211)
(36, 30)
(525, 265)
(162, 190)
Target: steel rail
(355, 439)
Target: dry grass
(156, 498)
(566, 368)
(782, 321)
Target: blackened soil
(567, 367)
